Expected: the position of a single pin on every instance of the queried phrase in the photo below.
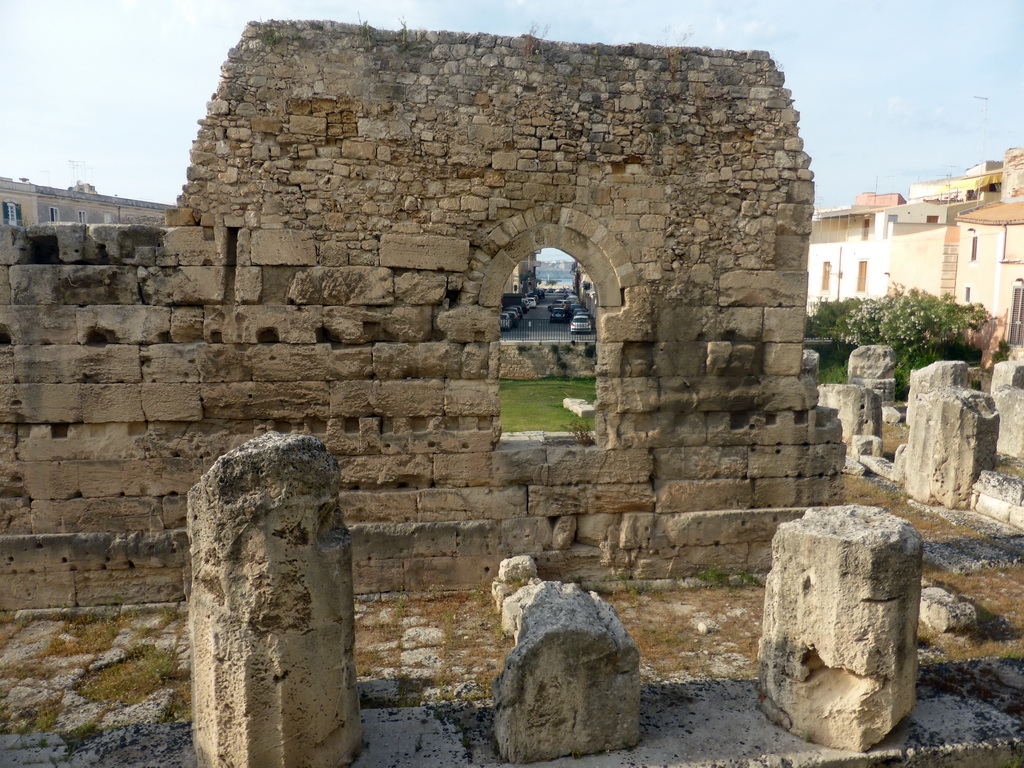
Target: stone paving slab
(699, 724)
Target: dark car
(559, 315)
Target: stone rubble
(571, 685)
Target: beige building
(24, 204)
(883, 241)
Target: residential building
(990, 259)
(885, 240)
(23, 204)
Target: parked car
(517, 311)
(559, 316)
(508, 320)
(529, 302)
(581, 324)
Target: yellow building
(24, 204)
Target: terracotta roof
(996, 213)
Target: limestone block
(783, 359)
(183, 286)
(838, 654)
(520, 535)
(899, 464)
(891, 415)
(468, 323)
(172, 402)
(944, 373)
(783, 325)
(1000, 497)
(429, 359)
(282, 247)
(123, 325)
(359, 325)
(408, 397)
(952, 439)
(1008, 373)
(942, 612)
(591, 464)
(392, 471)
(865, 445)
(579, 407)
(271, 589)
(757, 288)
(448, 254)
(74, 363)
(1010, 405)
(875, 361)
(262, 325)
(416, 287)
(692, 495)
(565, 635)
(288, 362)
(191, 245)
(263, 400)
(700, 462)
(352, 286)
(860, 409)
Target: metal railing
(540, 329)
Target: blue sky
(886, 91)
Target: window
(12, 213)
(83, 217)
(826, 276)
(931, 219)
(54, 214)
(862, 277)
(974, 248)
(865, 229)
(1015, 333)
(967, 294)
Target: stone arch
(582, 237)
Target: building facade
(24, 204)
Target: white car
(529, 301)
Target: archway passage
(588, 241)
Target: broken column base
(838, 655)
(571, 686)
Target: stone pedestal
(838, 655)
(571, 686)
(944, 373)
(860, 409)
(271, 612)
(953, 438)
(874, 367)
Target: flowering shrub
(921, 328)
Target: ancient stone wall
(538, 360)
(355, 202)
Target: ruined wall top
(664, 157)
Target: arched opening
(551, 275)
(548, 349)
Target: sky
(109, 91)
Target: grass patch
(145, 671)
(528, 406)
(85, 634)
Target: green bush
(921, 328)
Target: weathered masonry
(355, 202)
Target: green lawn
(537, 405)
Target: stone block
(838, 655)
(860, 409)
(595, 707)
(193, 246)
(942, 612)
(875, 361)
(1009, 403)
(431, 252)
(1008, 373)
(291, 247)
(952, 439)
(693, 495)
(757, 288)
(267, 558)
(944, 373)
(347, 286)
